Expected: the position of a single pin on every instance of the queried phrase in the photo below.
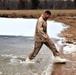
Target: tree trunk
(75, 3)
(4, 3)
(21, 4)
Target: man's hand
(48, 39)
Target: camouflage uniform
(40, 38)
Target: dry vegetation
(36, 13)
(66, 16)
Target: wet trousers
(38, 45)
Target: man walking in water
(41, 37)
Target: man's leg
(52, 47)
(37, 48)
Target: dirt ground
(70, 32)
(66, 69)
(67, 17)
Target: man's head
(47, 14)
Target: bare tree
(35, 4)
(75, 3)
(4, 3)
(46, 5)
(21, 4)
(54, 4)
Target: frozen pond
(26, 27)
(20, 45)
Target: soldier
(41, 37)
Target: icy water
(13, 47)
(20, 45)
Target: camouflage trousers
(38, 46)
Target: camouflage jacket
(41, 30)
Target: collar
(44, 18)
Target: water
(19, 45)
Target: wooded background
(37, 4)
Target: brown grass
(36, 13)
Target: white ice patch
(69, 49)
(59, 44)
(6, 55)
(48, 70)
(26, 27)
(0, 73)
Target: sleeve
(40, 29)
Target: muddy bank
(66, 69)
(70, 32)
(67, 17)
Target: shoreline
(68, 17)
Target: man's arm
(40, 30)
